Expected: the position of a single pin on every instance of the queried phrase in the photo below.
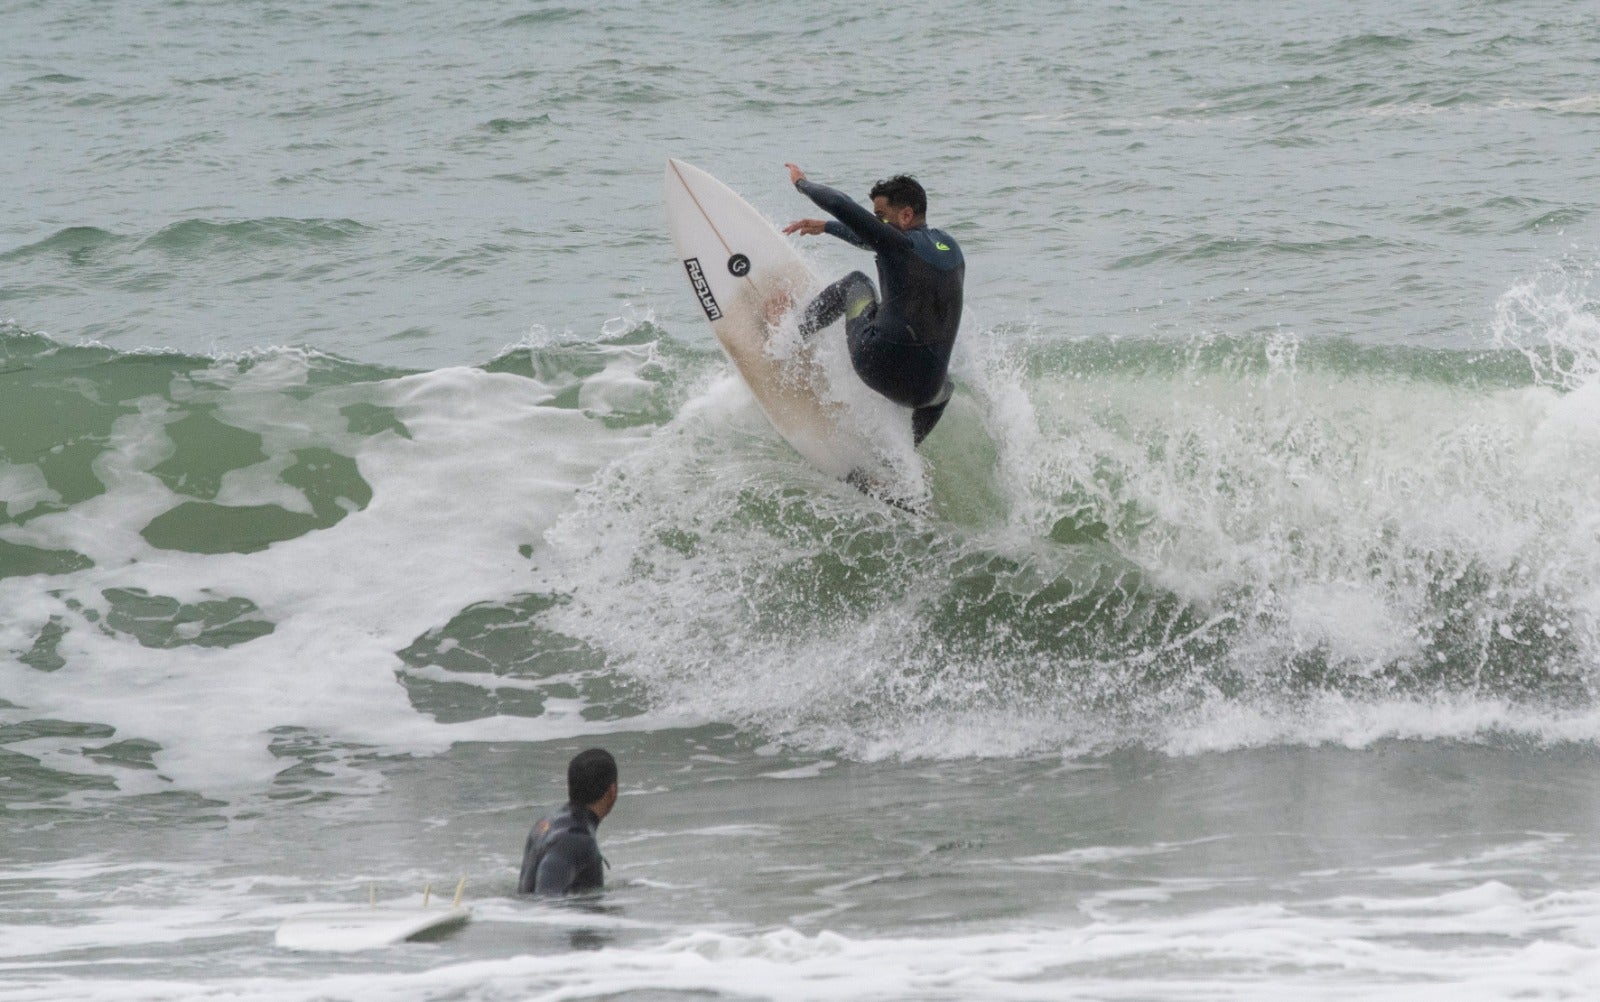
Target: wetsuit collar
(582, 813)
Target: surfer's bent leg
(852, 296)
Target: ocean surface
(364, 455)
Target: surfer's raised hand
(796, 175)
(810, 227)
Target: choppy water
(361, 458)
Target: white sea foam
(1379, 946)
(1297, 510)
(486, 468)
(1301, 509)
(1347, 722)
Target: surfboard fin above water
(349, 929)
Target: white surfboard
(744, 273)
(345, 929)
(366, 928)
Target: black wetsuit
(562, 855)
(901, 347)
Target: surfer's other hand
(796, 175)
(810, 227)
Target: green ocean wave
(78, 244)
(204, 235)
(1180, 525)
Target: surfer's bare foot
(776, 307)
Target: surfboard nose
(675, 171)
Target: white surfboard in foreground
(344, 929)
(743, 272)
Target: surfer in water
(900, 346)
(562, 855)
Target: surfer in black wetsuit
(900, 347)
(562, 855)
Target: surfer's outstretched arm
(832, 227)
(856, 223)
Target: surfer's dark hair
(903, 192)
(589, 775)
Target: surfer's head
(592, 780)
(900, 201)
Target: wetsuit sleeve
(530, 856)
(555, 875)
(834, 228)
(564, 860)
(870, 231)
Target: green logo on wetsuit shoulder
(941, 246)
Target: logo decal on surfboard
(738, 266)
(702, 288)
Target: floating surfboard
(346, 929)
(744, 274)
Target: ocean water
(363, 456)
